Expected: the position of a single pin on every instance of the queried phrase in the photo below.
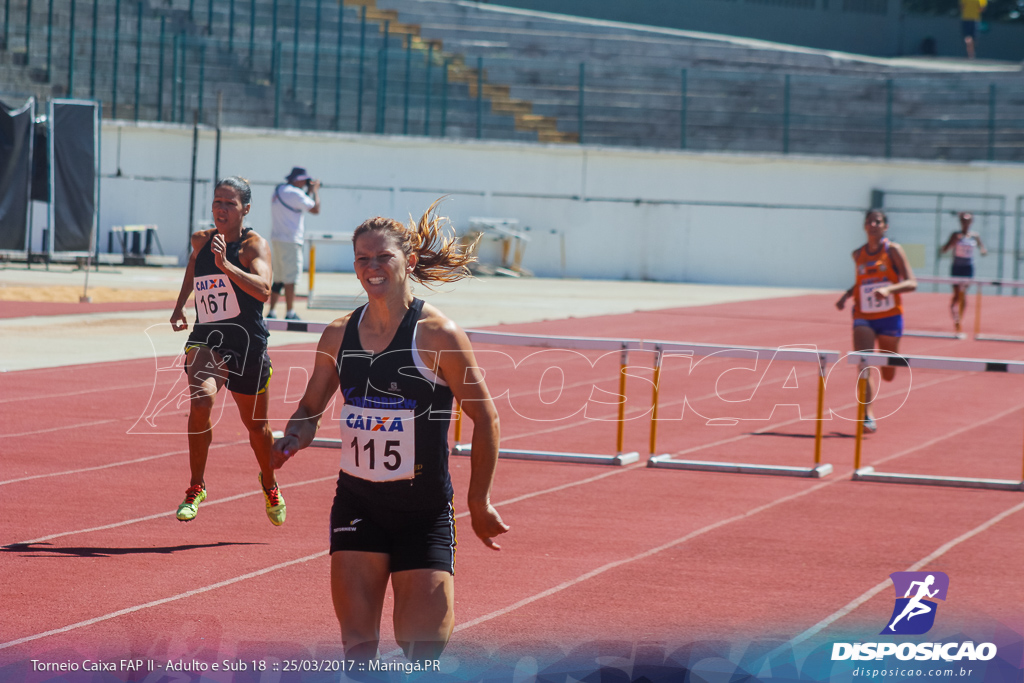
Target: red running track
(639, 560)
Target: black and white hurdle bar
(968, 282)
(865, 359)
(822, 358)
(484, 337)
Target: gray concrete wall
(620, 213)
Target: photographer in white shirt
(300, 193)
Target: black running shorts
(421, 539)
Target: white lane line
(36, 397)
(955, 432)
(228, 582)
(917, 566)
(163, 514)
(62, 427)
(641, 556)
(162, 601)
(115, 464)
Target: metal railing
(346, 73)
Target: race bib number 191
(869, 303)
(378, 444)
(215, 298)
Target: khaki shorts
(286, 260)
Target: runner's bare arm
(254, 255)
(458, 367)
(178, 320)
(907, 283)
(322, 386)
(950, 242)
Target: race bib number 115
(378, 444)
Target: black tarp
(16, 130)
(73, 139)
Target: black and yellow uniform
(394, 490)
(229, 321)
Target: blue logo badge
(915, 608)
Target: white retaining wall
(623, 213)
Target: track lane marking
(920, 564)
(158, 515)
(116, 464)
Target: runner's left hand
(487, 524)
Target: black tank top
(226, 315)
(394, 422)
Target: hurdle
(336, 302)
(484, 337)
(864, 359)
(624, 346)
(979, 283)
(666, 461)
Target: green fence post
(202, 78)
(444, 99)
(92, 50)
(888, 117)
(71, 51)
(295, 50)
(252, 33)
(362, 62)
(408, 68)
(277, 86)
(174, 77)
(231, 25)
(992, 123)
(183, 83)
(117, 45)
(138, 62)
(191, 9)
(337, 66)
(49, 37)
(28, 31)
(785, 116)
(382, 82)
(682, 110)
(316, 59)
(7, 24)
(427, 90)
(479, 97)
(160, 72)
(580, 105)
(273, 38)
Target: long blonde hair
(441, 257)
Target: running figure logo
(914, 613)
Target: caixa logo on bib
(916, 593)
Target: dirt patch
(69, 294)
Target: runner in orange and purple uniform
(883, 273)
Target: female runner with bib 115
(229, 271)
(398, 363)
(883, 273)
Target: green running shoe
(275, 503)
(189, 508)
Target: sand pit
(69, 294)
